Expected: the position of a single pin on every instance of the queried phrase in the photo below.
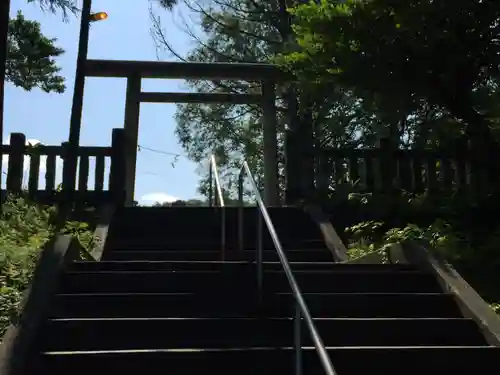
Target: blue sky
(124, 35)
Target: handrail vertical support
(259, 256)
(223, 234)
(241, 233)
(214, 181)
(210, 185)
(298, 340)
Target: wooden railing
(26, 163)
(384, 170)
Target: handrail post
(223, 233)
(298, 340)
(241, 211)
(218, 201)
(210, 188)
(259, 255)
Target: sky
(125, 35)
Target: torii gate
(134, 71)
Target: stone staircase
(161, 301)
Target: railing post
(65, 174)
(241, 233)
(65, 198)
(34, 172)
(223, 233)
(259, 255)
(16, 163)
(117, 172)
(210, 185)
(297, 336)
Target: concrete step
(166, 242)
(306, 255)
(227, 266)
(182, 333)
(347, 361)
(213, 304)
(275, 281)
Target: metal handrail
(218, 201)
(302, 311)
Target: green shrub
(25, 227)
(477, 261)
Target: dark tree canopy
(31, 57)
(406, 53)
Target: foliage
(30, 61)
(474, 255)
(25, 227)
(439, 235)
(83, 232)
(343, 114)
(248, 31)
(231, 31)
(65, 6)
(403, 56)
(31, 55)
(189, 202)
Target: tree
(342, 114)
(406, 56)
(234, 32)
(249, 31)
(30, 57)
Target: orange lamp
(100, 16)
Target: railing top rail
(318, 342)
(218, 185)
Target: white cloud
(30, 142)
(159, 197)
